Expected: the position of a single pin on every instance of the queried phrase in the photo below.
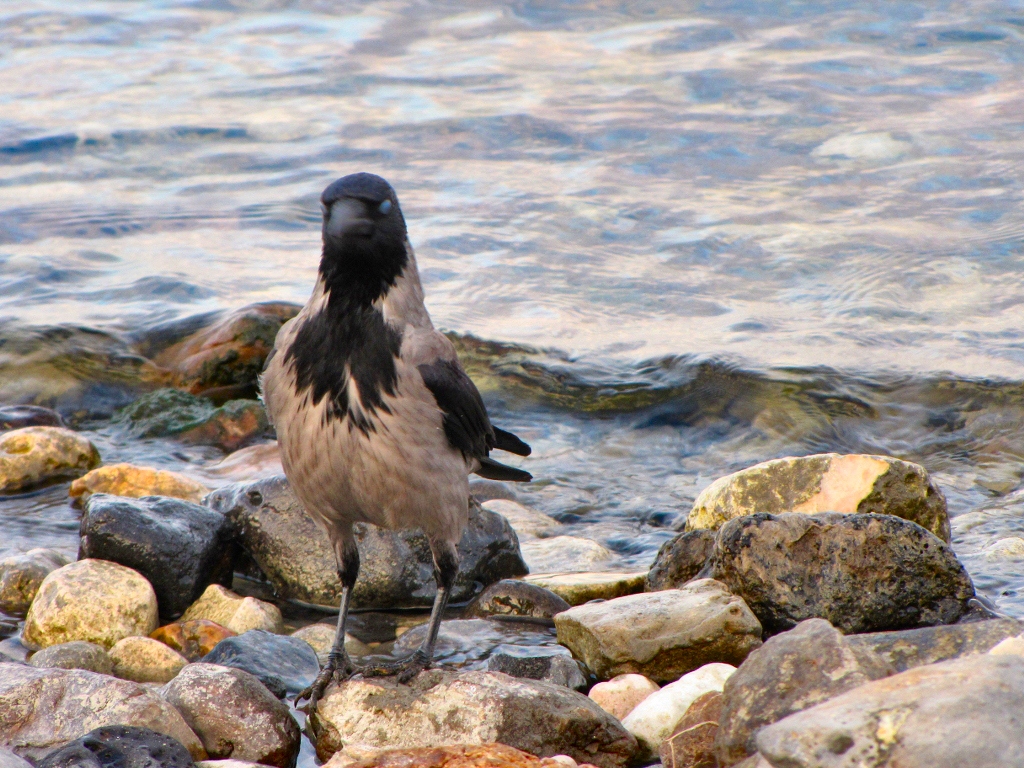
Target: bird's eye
(385, 207)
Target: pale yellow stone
(135, 482)
(1010, 646)
(237, 613)
(579, 588)
(525, 522)
(33, 456)
(621, 695)
(848, 480)
(145, 660)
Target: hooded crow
(376, 420)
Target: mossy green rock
(193, 419)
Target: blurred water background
(689, 236)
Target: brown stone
(513, 597)
(692, 743)
(680, 560)
(233, 425)
(194, 638)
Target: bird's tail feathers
(494, 470)
(506, 441)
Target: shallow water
(695, 236)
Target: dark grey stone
(180, 547)
(553, 664)
(77, 654)
(680, 560)
(119, 746)
(18, 416)
(467, 643)
(283, 664)
(511, 597)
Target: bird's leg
(446, 568)
(338, 664)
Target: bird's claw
(314, 692)
(403, 669)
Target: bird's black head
(364, 238)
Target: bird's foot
(403, 669)
(339, 671)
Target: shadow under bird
(376, 420)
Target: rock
(21, 576)
(680, 560)
(525, 522)
(1011, 645)
(18, 416)
(67, 703)
(74, 655)
(468, 642)
(226, 764)
(193, 639)
(692, 742)
(321, 638)
(172, 413)
(487, 490)
(120, 746)
(927, 645)
(10, 760)
(255, 461)
(661, 635)
(234, 612)
(579, 588)
(34, 456)
(441, 708)
(181, 548)
(457, 756)
(546, 555)
(862, 573)
(792, 671)
(234, 715)
(283, 664)
(229, 354)
(511, 597)
(656, 717)
(135, 482)
(964, 712)
(396, 567)
(827, 482)
(92, 600)
(621, 695)
(552, 664)
(146, 660)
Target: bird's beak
(348, 217)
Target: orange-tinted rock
(461, 756)
(193, 639)
(692, 743)
(135, 482)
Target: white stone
(563, 553)
(622, 694)
(1011, 645)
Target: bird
(377, 421)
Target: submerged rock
(22, 575)
(283, 664)
(135, 482)
(67, 703)
(680, 560)
(77, 654)
(562, 552)
(661, 635)
(193, 639)
(396, 568)
(512, 597)
(827, 482)
(860, 572)
(146, 660)
(234, 715)
(181, 548)
(93, 600)
(952, 714)
(621, 695)
(234, 612)
(192, 419)
(582, 587)
(120, 746)
(468, 642)
(441, 708)
(18, 416)
(34, 456)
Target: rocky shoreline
(809, 613)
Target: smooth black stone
(18, 416)
(120, 746)
(283, 664)
(551, 664)
(181, 548)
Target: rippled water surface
(691, 236)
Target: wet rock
(234, 715)
(860, 572)
(907, 720)
(192, 419)
(661, 635)
(656, 717)
(227, 355)
(458, 756)
(525, 522)
(827, 482)
(553, 664)
(21, 576)
(512, 597)
(18, 416)
(145, 660)
(234, 612)
(10, 760)
(792, 671)
(120, 746)
(93, 600)
(927, 645)
(135, 482)
(579, 588)
(192, 639)
(34, 456)
(74, 655)
(321, 638)
(692, 742)
(283, 664)
(558, 552)
(621, 695)
(178, 546)
(469, 642)
(396, 567)
(487, 490)
(440, 708)
(67, 703)
(680, 560)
